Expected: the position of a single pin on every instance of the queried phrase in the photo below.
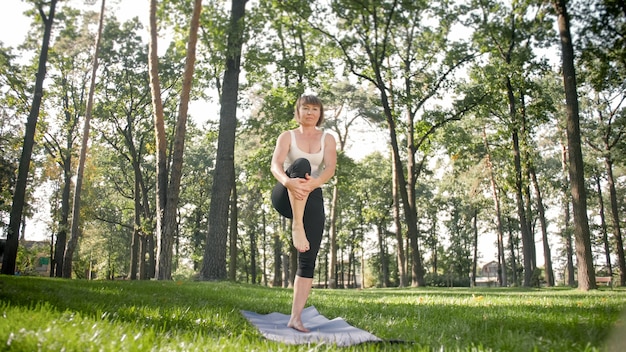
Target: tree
(538, 108)
(14, 101)
(159, 130)
(214, 261)
(586, 274)
(74, 233)
(603, 71)
(508, 35)
(566, 232)
(17, 207)
(502, 277)
(70, 58)
(375, 191)
(409, 62)
(124, 126)
(195, 192)
(348, 104)
(610, 129)
(168, 185)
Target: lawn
(42, 314)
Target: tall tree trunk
(528, 165)
(136, 258)
(342, 135)
(566, 232)
(278, 253)
(514, 279)
(584, 256)
(147, 262)
(435, 243)
(142, 273)
(398, 225)
(136, 237)
(285, 269)
(528, 207)
(605, 232)
(172, 194)
(253, 255)
(146, 250)
(293, 265)
(417, 268)
(264, 248)
(411, 179)
(502, 279)
(382, 275)
(159, 127)
(617, 231)
(17, 207)
(547, 256)
(65, 161)
(527, 237)
(528, 243)
(608, 150)
(59, 248)
(324, 272)
(75, 231)
(475, 246)
(234, 234)
(214, 261)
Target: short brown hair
(311, 100)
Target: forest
(457, 123)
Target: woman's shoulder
(285, 134)
(284, 138)
(328, 136)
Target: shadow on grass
(163, 305)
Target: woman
(304, 159)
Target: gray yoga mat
(273, 326)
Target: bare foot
(297, 325)
(299, 238)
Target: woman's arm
(330, 163)
(278, 158)
(299, 187)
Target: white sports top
(316, 160)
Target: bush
(435, 280)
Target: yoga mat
(273, 326)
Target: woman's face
(309, 114)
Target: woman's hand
(301, 187)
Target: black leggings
(314, 216)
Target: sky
(14, 25)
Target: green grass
(41, 314)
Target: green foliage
(13, 110)
(28, 256)
(195, 193)
(50, 315)
(447, 280)
(602, 43)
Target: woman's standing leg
(311, 214)
(301, 290)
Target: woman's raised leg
(298, 235)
